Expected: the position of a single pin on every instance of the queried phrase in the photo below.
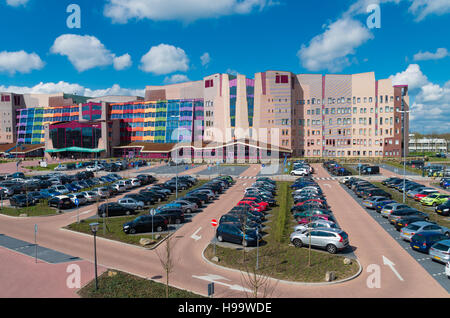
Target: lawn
(398, 196)
(114, 226)
(123, 285)
(40, 209)
(277, 258)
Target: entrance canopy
(75, 149)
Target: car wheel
(189, 211)
(178, 221)
(159, 228)
(133, 231)
(128, 213)
(297, 243)
(220, 238)
(331, 249)
(447, 234)
(244, 243)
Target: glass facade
(75, 135)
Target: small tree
(259, 282)
(167, 261)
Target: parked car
(423, 241)
(172, 215)
(389, 208)
(443, 209)
(61, 202)
(231, 232)
(315, 224)
(114, 209)
(440, 251)
(398, 214)
(333, 240)
(408, 232)
(21, 200)
(131, 203)
(435, 199)
(145, 224)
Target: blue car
(231, 232)
(380, 205)
(71, 187)
(49, 193)
(302, 185)
(423, 240)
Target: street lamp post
(94, 229)
(404, 112)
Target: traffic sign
(35, 228)
(77, 203)
(210, 289)
(214, 222)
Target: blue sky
(120, 49)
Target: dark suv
(146, 223)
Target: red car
(262, 204)
(424, 194)
(250, 204)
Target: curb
(290, 282)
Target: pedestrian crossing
(247, 177)
(325, 178)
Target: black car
(114, 209)
(202, 196)
(443, 209)
(157, 196)
(193, 199)
(241, 219)
(172, 215)
(376, 193)
(406, 220)
(62, 203)
(22, 200)
(145, 224)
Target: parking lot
(223, 170)
(166, 169)
(436, 270)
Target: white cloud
(330, 50)
(440, 54)
(423, 8)
(70, 88)
(121, 11)
(122, 62)
(206, 59)
(412, 76)
(87, 52)
(16, 3)
(164, 59)
(21, 61)
(430, 109)
(176, 78)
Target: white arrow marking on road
(214, 279)
(326, 184)
(195, 236)
(389, 263)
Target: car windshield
(441, 247)
(413, 227)
(432, 196)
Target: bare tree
(167, 261)
(260, 283)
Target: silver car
(440, 252)
(61, 189)
(81, 198)
(370, 203)
(91, 196)
(187, 206)
(408, 232)
(316, 224)
(131, 203)
(391, 207)
(333, 240)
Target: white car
(135, 183)
(119, 187)
(300, 172)
(61, 189)
(93, 168)
(81, 198)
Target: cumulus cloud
(87, 52)
(430, 109)
(21, 62)
(412, 76)
(331, 49)
(176, 78)
(206, 59)
(164, 59)
(440, 54)
(122, 62)
(122, 11)
(16, 3)
(423, 8)
(71, 88)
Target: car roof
(423, 223)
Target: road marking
(215, 279)
(195, 236)
(389, 263)
(326, 184)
